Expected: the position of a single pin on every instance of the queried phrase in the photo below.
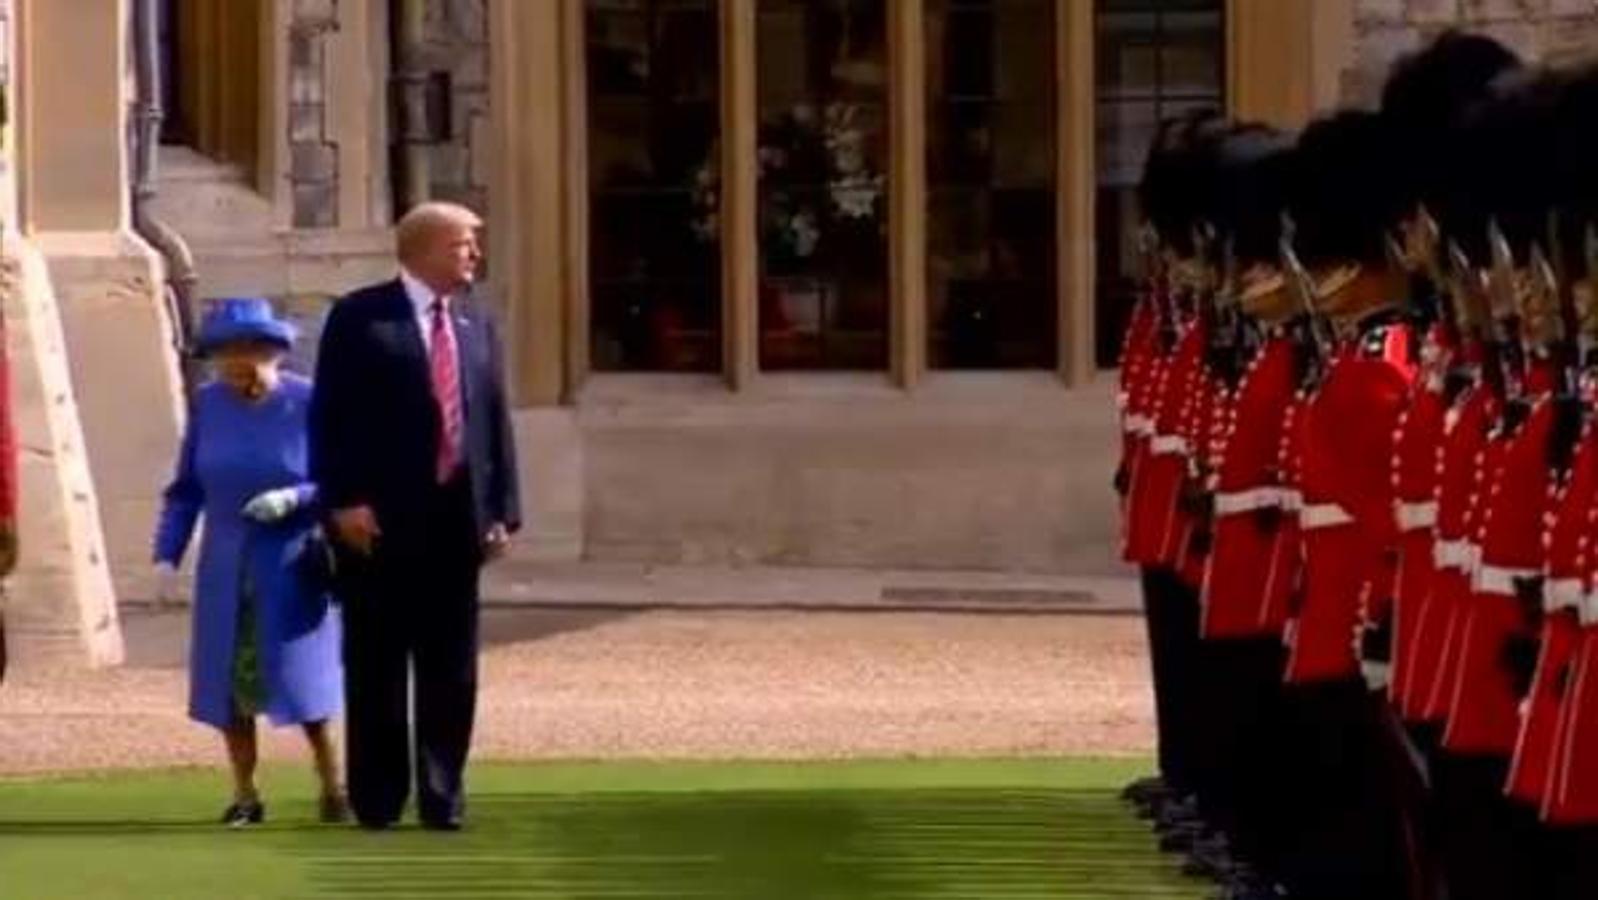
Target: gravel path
(678, 684)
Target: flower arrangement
(802, 149)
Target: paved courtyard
(681, 683)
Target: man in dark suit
(411, 446)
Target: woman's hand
(272, 506)
(167, 583)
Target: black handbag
(318, 563)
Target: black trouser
(413, 619)
(1341, 824)
(1492, 847)
(1573, 858)
(1243, 750)
(1171, 612)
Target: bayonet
(1302, 286)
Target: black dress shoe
(245, 814)
(333, 809)
(452, 823)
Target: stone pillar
(61, 606)
(74, 85)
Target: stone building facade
(747, 323)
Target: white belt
(1452, 555)
(1233, 502)
(1323, 515)
(1291, 500)
(1562, 593)
(1499, 579)
(1169, 445)
(1140, 425)
(1415, 516)
(1589, 608)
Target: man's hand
(356, 528)
(496, 542)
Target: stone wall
(457, 46)
(1555, 31)
(313, 167)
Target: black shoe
(1180, 840)
(451, 823)
(333, 809)
(242, 815)
(1144, 790)
(1205, 863)
(1250, 889)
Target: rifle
(1321, 339)
(1505, 299)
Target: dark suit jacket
(374, 425)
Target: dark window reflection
(655, 248)
(822, 70)
(1156, 59)
(990, 173)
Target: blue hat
(244, 319)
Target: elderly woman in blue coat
(265, 637)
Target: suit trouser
(414, 625)
(1171, 613)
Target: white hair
(424, 220)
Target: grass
(984, 830)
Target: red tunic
(1463, 452)
(1533, 765)
(1416, 453)
(1141, 359)
(1347, 516)
(1483, 713)
(1153, 514)
(1248, 490)
(1572, 797)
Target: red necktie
(445, 363)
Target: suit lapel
(405, 330)
(466, 347)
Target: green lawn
(744, 831)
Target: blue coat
(233, 450)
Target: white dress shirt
(422, 299)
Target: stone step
(200, 196)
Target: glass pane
(822, 69)
(654, 239)
(1156, 59)
(990, 170)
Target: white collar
(420, 295)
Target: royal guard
(1424, 99)
(1483, 718)
(1351, 838)
(1159, 458)
(1570, 801)
(1570, 491)
(1415, 473)
(1240, 625)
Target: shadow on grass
(832, 844)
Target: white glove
(168, 583)
(1376, 674)
(272, 506)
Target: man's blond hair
(424, 220)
